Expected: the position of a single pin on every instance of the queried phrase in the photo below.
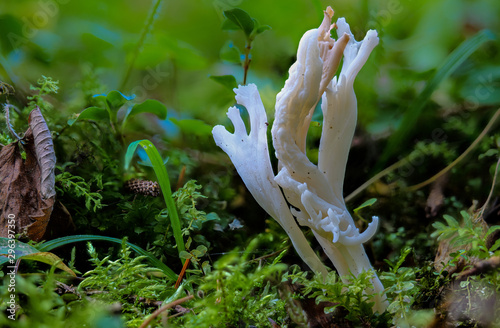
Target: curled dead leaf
(27, 191)
(436, 197)
(44, 150)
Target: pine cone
(143, 187)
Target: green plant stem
(140, 43)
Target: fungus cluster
(313, 191)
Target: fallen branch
(480, 267)
(163, 309)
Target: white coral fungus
(314, 191)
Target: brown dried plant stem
(181, 275)
(493, 184)
(180, 180)
(461, 157)
(246, 64)
(376, 177)
(163, 309)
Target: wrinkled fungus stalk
(314, 191)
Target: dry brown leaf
(436, 197)
(21, 184)
(60, 224)
(45, 155)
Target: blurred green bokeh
(67, 39)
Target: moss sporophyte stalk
(314, 191)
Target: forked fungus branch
(314, 191)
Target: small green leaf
(206, 267)
(178, 294)
(460, 240)
(262, 29)
(467, 220)
(330, 309)
(491, 230)
(188, 242)
(488, 153)
(407, 285)
(439, 225)
(51, 259)
(185, 255)
(495, 246)
(26, 252)
(115, 99)
(202, 249)
(241, 19)
(193, 127)
(229, 25)
(91, 113)
(389, 276)
(196, 253)
(450, 220)
(228, 81)
(465, 215)
(367, 203)
(148, 106)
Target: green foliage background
(176, 57)
(70, 38)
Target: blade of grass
(163, 180)
(145, 31)
(55, 243)
(455, 59)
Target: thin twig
(174, 315)
(461, 157)
(263, 257)
(163, 309)
(433, 178)
(140, 43)
(376, 177)
(481, 267)
(491, 190)
(9, 125)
